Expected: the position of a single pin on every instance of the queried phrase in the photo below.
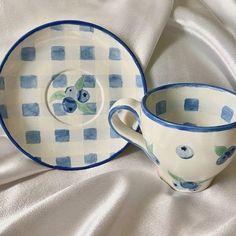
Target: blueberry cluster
(180, 183)
(223, 158)
(72, 96)
(192, 186)
(189, 185)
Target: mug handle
(123, 130)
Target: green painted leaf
(175, 177)
(150, 148)
(80, 83)
(84, 108)
(220, 150)
(58, 95)
(146, 142)
(203, 181)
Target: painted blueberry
(157, 161)
(189, 185)
(69, 104)
(221, 160)
(153, 158)
(71, 92)
(83, 96)
(184, 151)
(229, 153)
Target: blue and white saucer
(57, 84)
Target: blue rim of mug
(73, 22)
(185, 127)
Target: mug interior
(192, 105)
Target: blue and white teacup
(188, 130)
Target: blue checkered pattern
(225, 112)
(58, 66)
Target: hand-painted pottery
(57, 84)
(188, 130)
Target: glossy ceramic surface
(188, 130)
(57, 84)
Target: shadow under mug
(188, 130)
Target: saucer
(57, 84)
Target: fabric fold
(213, 34)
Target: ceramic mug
(188, 130)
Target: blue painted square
(57, 27)
(2, 83)
(62, 135)
(115, 81)
(28, 81)
(30, 109)
(114, 54)
(227, 113)
(113, 134)
(111, 103)
(86, 28)
(28, 54)
(90, 158)
(90, 134)
(32, 137)
(191, 104)
(59, 81)
(3, 111)
(139, 82)
(87, 53)
(89, 81)
(63, 161)
(58, 53)
(92, 107)
(58, 109)
(161, 107)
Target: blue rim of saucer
(73, 22)
(181, 126)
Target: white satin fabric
(125, 197)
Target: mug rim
(186, 127)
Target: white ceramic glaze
(188, 130)
(57, 84)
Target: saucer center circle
(74, 98)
